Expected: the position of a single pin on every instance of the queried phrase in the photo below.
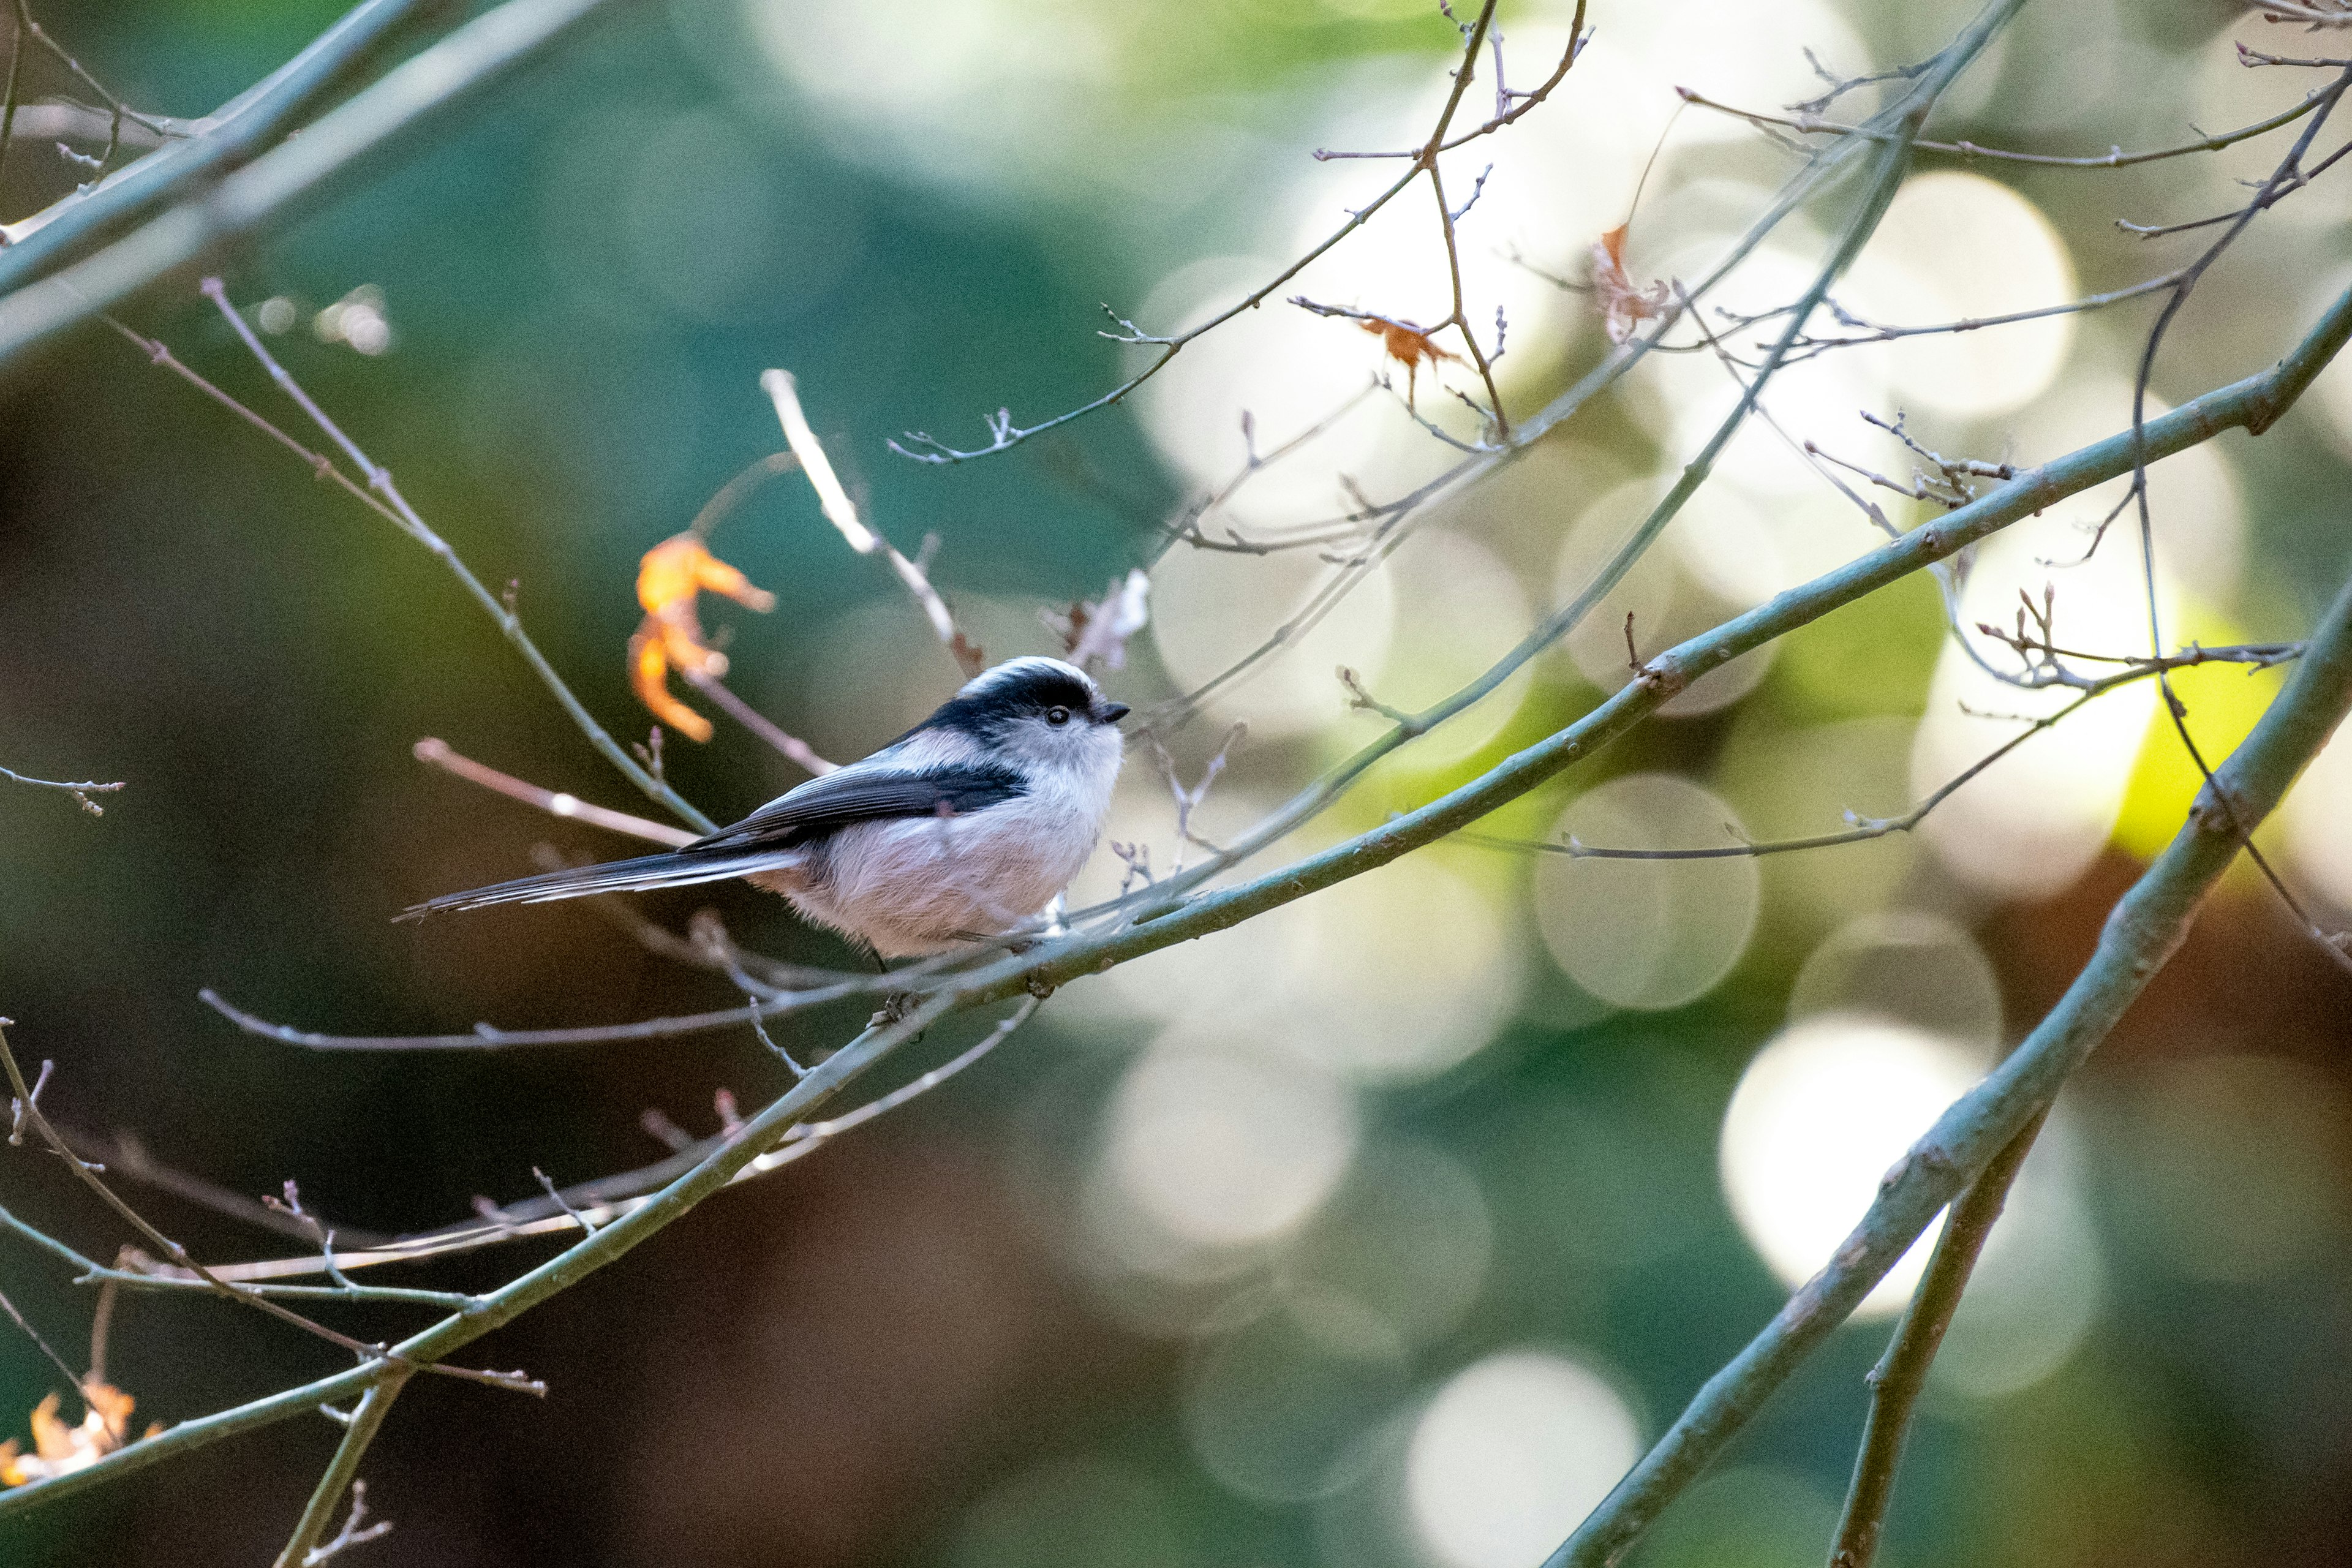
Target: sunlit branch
(2144, 929)
(1901, 1374)
(1005, 434)
(2113, 158)
(555, 803)
(842, 512)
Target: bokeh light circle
(1821, 1114)
(1958, 247)
(1905, 964)
(1511, 1454)
(1216, 1149)
(1274, 1411)
(2318, 821)
(1647, 934)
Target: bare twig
(73, 1379)
(842, 512)
(555, 803)
(352, 1533)
(80, 792)
(711, 684)
(387, 501)
(2113, 158)
(1004, 434)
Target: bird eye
(1057, 715)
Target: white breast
(924, 884)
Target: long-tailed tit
(963, 827)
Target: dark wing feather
(857, 795)
(816, 807)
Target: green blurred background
(1319, 1244)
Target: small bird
(963, 828)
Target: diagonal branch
(294, 177)
(2142, 931)
(1896, 1382)
(231, 136)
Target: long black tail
(676, 869)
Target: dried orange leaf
(1622, 305)
(674, 571)
(671, 575)
(1410, 346)
(59, 1449)
(649, 677)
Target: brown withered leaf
(1411, 347)
(1622, 305)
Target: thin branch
(555, 803)
(792, 746)
(2113, 158)
(843, 514)
(502, 613)
(302, 1548)
(73, 1379)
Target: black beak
(1111, 712)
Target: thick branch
(232, 136)
(294, 177)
